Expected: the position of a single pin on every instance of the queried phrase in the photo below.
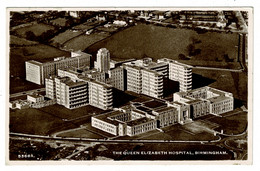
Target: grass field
(50, 119)
(84, 41)
(234, 124)
(59, 21)
(17, 41)
(159, 42)
(214, 64)
(63, 37)
(71, 114)
(20, 84)
(87, 25)
(18, 56)
(37, 29)
(33, 121)
(82, 133)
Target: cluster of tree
(44, 37)
(192, 51)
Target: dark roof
(154, 104)
(145, 109)
(138, 121)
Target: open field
(33, 121)
(71, 114)
(233, 124)
(84, 41)
(162, 42)
(81, 133)
(214, 64)
(59, 21)
(18, 56)
(18, 84)
(63, 37)
(37, 29)
(18, 41)
(50, 119)
(87, 25)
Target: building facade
(139, 118)
(179, 72)
(116, 78)
(206, 100)
(36, 71)
(134, 79)
(146, 77)
(152, 83)
(102, 64)
(71, 94)
(100, 95)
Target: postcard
(168, 85)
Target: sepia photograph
(130, 84)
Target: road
(27, 92)
(219, 69)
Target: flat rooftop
(154, 104)
(165, 109)
(138, 121)
(218, 98)
(144, 109)
(105, 117)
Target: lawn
(18, 56)
(17, 41)
(81, 133)
(37, 29)
(163, 42)
(18, 84)
(50, 119)
(71, 114)
(33, 121)
(84, 41)
(87, 25)
(59, 21)
(214, 64)
(179, 132)
(63, 37)
(234, 124)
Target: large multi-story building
(137, 119)
(100, 95)
(74, 92)
(142, 117)
(96, 75)
(206, 100)
(146, 77)
(179, 72)
(71, 94)
(152, 83)
(50, 87)
(102, 63)
(36, 71)
(134, 79)
(116, 78)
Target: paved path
(218, 69)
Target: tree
(30, 35)
(182, 57)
